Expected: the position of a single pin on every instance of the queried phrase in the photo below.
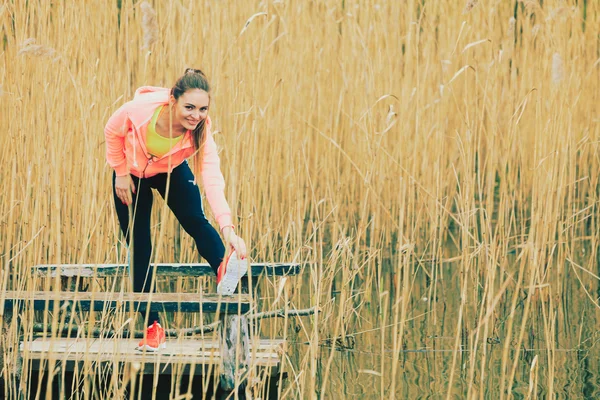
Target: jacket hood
(145, 101)
(149, 89)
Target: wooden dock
(229, 353)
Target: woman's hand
(235, 241)
(123, 187)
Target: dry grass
(434, 163)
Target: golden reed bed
(434, 163)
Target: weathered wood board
(193, 355)
(183, 270)
(87, 301)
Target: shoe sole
(152, 349)
(234, 271)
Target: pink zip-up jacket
(126, 151)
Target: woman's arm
(214, 186)
(114, 132)
(214, 183)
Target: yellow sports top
(159, 145)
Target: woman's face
(191, 108)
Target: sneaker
(155, 339)
(229, 274)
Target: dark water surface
(363, 361)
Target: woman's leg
(141, 248)
(185, 202)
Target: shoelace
(153, 329)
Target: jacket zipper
(136, 133)
(148, 156)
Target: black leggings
(185, 202)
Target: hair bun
(193, 71)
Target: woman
(148, 141)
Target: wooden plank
(86, 301)
(235, 350)
(174, 345)
(179, 352)
(184, 270)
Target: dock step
(99, 301)
(193, 355)
(183, 270)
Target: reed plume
(469, 6)
(149, 25)
(29, 48)
(557, 68)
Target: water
(564, 344)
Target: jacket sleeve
(214, 183)
(115, 132)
